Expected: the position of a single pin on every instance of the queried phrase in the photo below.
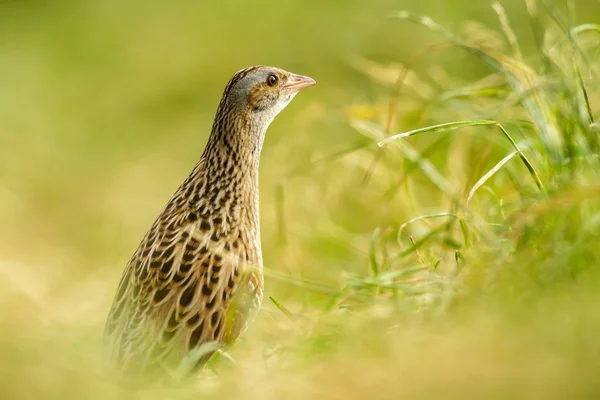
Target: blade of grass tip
(423, 217)
(488, 175)
(508, 32)
(528, 165)
(449, 126)
(419, 256)
(458, 256)
(282, 308)
(372, 251)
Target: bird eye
(272, 80)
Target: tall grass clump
(497, 182)
(517, 181)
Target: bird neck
(228, 169)
(233, 150)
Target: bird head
(262, 91)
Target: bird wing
(244, 305)
(175, 293)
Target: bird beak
(297, 82)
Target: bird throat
(228, 170)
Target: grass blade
(450, 126)
(372, 251)
(422, 217)
(488, 175)
(529, 166)
(282, 308)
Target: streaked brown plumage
(196, 276)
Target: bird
(196, 277)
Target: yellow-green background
(105, 106)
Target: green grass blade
(592, 138)
(450, 126)
(458, 256)
(465, 231)
(528, 165)
(372, 251)
(423, 217)
(282, 308)
(488, 175)
(429, 236)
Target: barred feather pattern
(196, 276)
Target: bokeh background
(105, 106)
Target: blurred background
(105, 106)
